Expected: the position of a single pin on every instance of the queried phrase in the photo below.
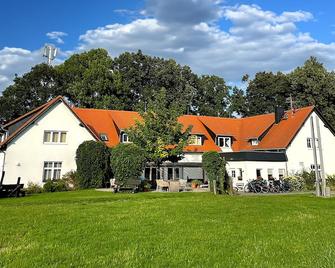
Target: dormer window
(125, 138)
(254, 142)
(103, 137)
(224, 142)
(195, 140)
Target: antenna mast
(50, 52)
(291, 102)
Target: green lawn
(99, 229)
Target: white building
(42, 144)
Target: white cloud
(18, 61)
(57, 36)
(257, 39)
(194, 33)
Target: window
(195, 140)
(52, 170)
(103, 137)
(270, 174)
(233, 173)
(240, 174)
(224, 142)
(254, 142)
(310, 143)
(125, 138)
(176, 173)
(170, 173)
(281, 173)
(258, 173)
(54, 137)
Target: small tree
(93, 164)
(159, 133)
(215, 168)
(127, 161)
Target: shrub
(309, 179)
(215, 168)
(71, 180)
(93, 164)
(127, 161)
(49, 186)
(331, 181)
(295, 183)
(55, 186)
(60, 185)
(33, 188)
(145, 186)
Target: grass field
(99, 229)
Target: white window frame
(270, 173)
(233, 173)
(123, 135)
(195, 140)
(240, 176)
(54, 169)
(226, 141)
(52, 133)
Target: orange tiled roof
(276, 136)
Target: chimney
(279, 113)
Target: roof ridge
(25, 124)
(105, 110)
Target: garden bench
(11, 190)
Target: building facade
(42, 144)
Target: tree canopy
(310, 84)
(94, 79)
(159, 133)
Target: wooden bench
(11, 190)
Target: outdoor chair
(161, 184)
(183, 184)
(174, 186)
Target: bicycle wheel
(246, 188)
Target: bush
(127, 161)
(145, 186)
(93, 164)
(55, 186)
(33, 188)
(295, 183)
(331, 181)
(71, 180)
(309, 179)
(215, 168)
(49, 186)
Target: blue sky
(226, 38)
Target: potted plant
(196, 184)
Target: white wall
(299, 156)
(249, 169)
(26, 154)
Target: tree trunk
(214, 186)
